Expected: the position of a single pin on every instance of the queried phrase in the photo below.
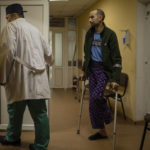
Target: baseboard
(25, 127)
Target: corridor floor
(64, 114)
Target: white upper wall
(142, 61)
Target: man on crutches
(102, 63)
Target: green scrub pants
(38, 113)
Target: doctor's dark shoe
(97, 136)
(31, 147)
(3, 141)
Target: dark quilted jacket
(110, 53)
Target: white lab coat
(22, 39)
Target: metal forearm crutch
(81, 106)
(115, 120)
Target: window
(58, 49)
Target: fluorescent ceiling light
(59, 0)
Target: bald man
(102, 63)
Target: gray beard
(94, 25)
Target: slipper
(97, 136)
(3, 141)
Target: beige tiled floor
(64, 114)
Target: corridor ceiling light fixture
(59, 0)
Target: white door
(58, 69)
(63, 45)
(143, 61)
(72, 58)
(147, 61)
(40, 22)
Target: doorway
(57, 72)
(63, 45)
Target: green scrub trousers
(38, 113)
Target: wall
(120, 15)
(143, 61)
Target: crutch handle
(113, 86)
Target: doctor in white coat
(23, 58)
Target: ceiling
(73, 8)
(69, 8)
(144, 1)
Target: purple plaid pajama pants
(99, 111)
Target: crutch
(115, 119)
(81, 106)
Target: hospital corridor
(74, 75)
